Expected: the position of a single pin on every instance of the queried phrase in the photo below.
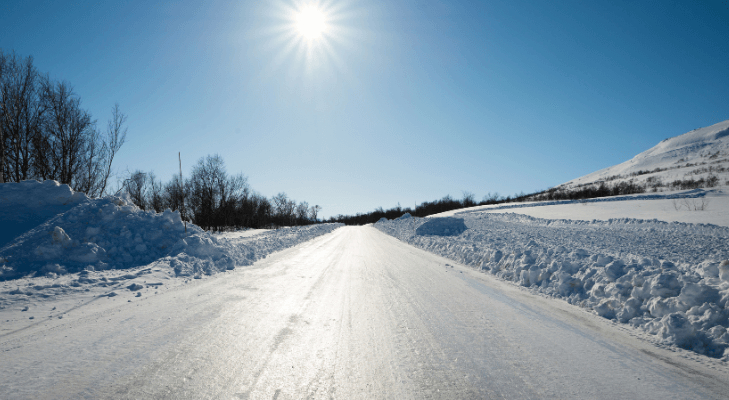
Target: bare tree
(213, 195)
(68, 129)
(174, 194)
(280, 204)
(491, 198)
(235, 191)
(116, 135)
(302, 213)
(314, 213)
(216, 200)
(469, 199)
(22, 111)
(91, 165)
(45, 134)
(259, 209)
(156, 199)
(136, 186)
(290, 213)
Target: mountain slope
(699, 158)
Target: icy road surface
(352, 314)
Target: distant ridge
(699, 158)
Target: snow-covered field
(711, 208)
(670, 279)
(59, 246)
(697, 206)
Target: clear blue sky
(398, 101)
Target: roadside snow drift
(27, 204)
(670, 279)
(112, 233)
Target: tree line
(215, 200)
(589, 191)
(45, 133)
(447, 203)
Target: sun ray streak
(302, 52)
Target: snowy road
(352, 314)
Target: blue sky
(398, 101)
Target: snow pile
(670, 279)
(112, 233)
(702, 154)
(441, 227)
(192, 257)
(203, 253)
(27, 204)
(98, 234)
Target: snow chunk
(724, 270)
(442, 227)
(60, 237)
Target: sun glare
(310, 23)
(310, 33)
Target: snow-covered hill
(699, 158)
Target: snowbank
(27, 204)
(670, 279)
(112, 233)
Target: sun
(312, 33)
(310, 23)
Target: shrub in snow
(649, 274)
